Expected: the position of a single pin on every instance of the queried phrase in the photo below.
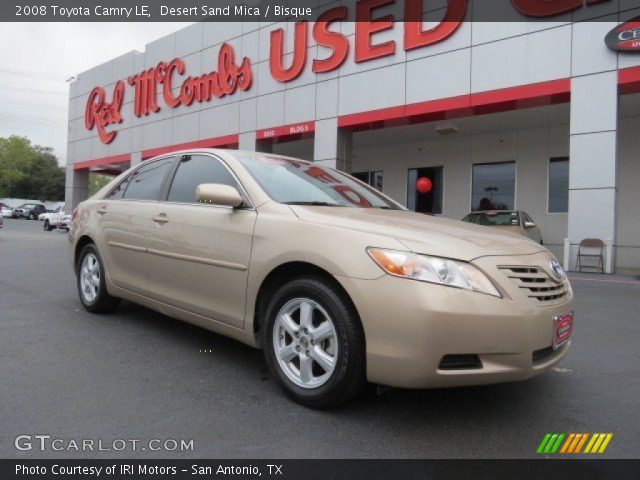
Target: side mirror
(218, 194)
(529, 225)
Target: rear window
(493, 219)
(145, 182)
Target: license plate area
(562, 329)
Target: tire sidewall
(318, 291)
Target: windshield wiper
(314, 203)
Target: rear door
(125, 224)
(199, 254)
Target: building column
(247, 141)
(76, 187)
(332, 146)
(136, 158)
(593, 158)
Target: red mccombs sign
(231, 76)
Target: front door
(199, 254)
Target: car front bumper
(410, 326)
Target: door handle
(160, 218)
(102, 210)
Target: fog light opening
(460, 362)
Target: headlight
(443, 271)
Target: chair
(590, 244)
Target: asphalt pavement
(136, 374)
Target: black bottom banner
(319, 469)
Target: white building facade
(534, 115)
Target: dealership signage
(625, 37)
(231, 76)
(99, 113)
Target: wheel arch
(82, 242)
(280, 275)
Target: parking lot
(137, 374)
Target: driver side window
(194, 170)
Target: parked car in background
(28, 210)
(6, 210)
(64, 223)
(515, 221)
(51, 219)
(338, 283)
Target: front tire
(91, 283)
(46, 226)
(314, 343)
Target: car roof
(496, 211)
(227, 151)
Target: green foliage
(29, 171)
(97, 181)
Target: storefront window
(493, 186)
(559, 185)
(428, 202)
(373, 179)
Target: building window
(559, 184)
(431, 201)
(373, 179)
(493, 186)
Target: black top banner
(320, 469)
(312, 10)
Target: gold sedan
(515, 221)
(336, 282)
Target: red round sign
(423, 185)
(625, 37)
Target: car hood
(423, 233)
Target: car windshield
(493, 219)
(302, 183)
(27, 205)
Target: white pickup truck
(51, 218)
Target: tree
(29, 171)
(97, 181)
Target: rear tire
(319, 359)
(46, 226)
(90, 279)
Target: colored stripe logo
(574, 443)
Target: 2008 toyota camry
(337, 283)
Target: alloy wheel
(305, 342)
(90, 277)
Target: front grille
(536, 282)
